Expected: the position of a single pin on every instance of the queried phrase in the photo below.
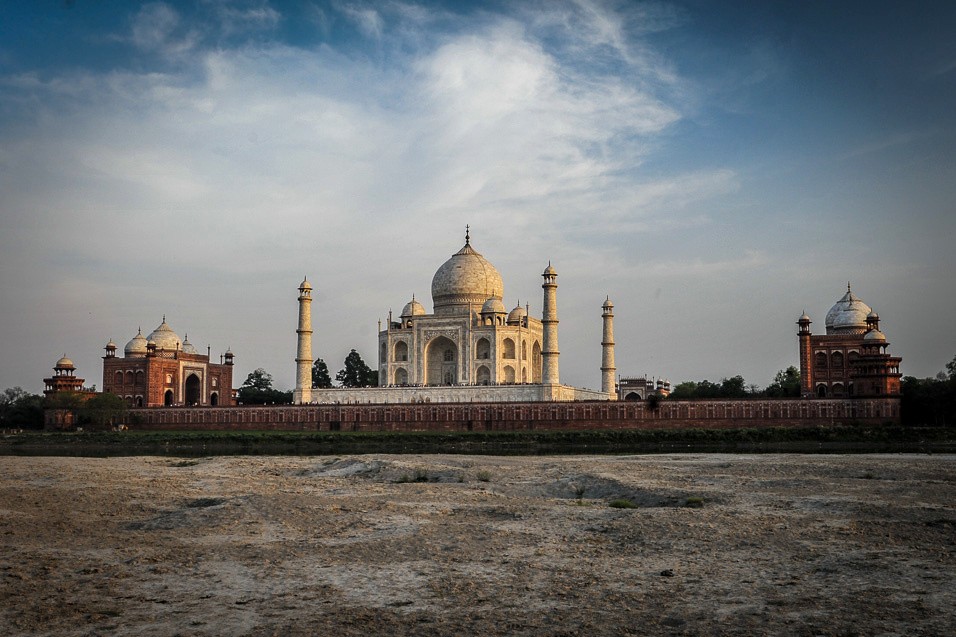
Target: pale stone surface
(348, 546)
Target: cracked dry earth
(783, 545)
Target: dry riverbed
(452, 545)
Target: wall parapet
(516, 416)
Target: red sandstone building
(162, 370)
(851, 359)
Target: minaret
(549, 321)
(303, 358)
(607, 351)
(806, 366)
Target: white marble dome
(848, 315)
(493, 306)
(165, 337)
(64, 363)
(188, 347)
(136, 346)
(464, 280)
(413, 308)
(517, 315)
(875, 335)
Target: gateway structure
(470, 348)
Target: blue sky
(716, 168)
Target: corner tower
(806, 369)
(607, 350)
(549, 321)
(303, 358)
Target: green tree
(321, 379)
(258, 390)
(258, 379)
(786, 384)
(102, 411)
(20, 408)
(356, 373)
(734, 387)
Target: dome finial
(847, 286)
(467, 235)
(164, 317)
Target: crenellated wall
(526, 416)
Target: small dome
(848, 315)
(413, 308)
(165, 337)
(517, 315)
(305, 285)
(875, 335)
(803, 318)
(607, 304)
(187, 346)
(464, 280)
(493, 306)
(110, 345)
(64, 363)
(550, 271)
(873, 315)
(136, 345)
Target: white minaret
(303, 358)
(549, 321)
(607, 351)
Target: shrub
(621, 503)
(484, 476)
(694, 502)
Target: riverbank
(856, 439)
(456, 544)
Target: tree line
(786, 384)
(258, 390)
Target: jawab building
(470, 348)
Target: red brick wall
(526, 416)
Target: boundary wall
(704, 414)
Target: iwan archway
(441, 362)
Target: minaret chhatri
(607, 351)
(303, 357)
(549, 321)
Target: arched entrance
(483, 376)
(536, 363)
(401, 376)
(168, 397)
(193, 389)
(632, 396)
(214, 399)
(441, 362)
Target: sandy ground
(783, 545)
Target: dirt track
(801, 545)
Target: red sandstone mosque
(851, 359)
(163, 370)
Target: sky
(716, 168)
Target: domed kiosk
(470, 348)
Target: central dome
(848, 315)
(165, 337)
(464, 281)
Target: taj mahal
(469, 349)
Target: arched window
(821, 391)
(139, 401)
(118, 378)
(508, 346)
(483, 349)
(837, 389)
(536, 363)
(524, 350)
(401, 351)
(140, 378)
(821, 359)
(129, 377)
(836, 360)
(509, 374)
(214, 399)
(524, 374)
(168, 397)
(401, 376)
